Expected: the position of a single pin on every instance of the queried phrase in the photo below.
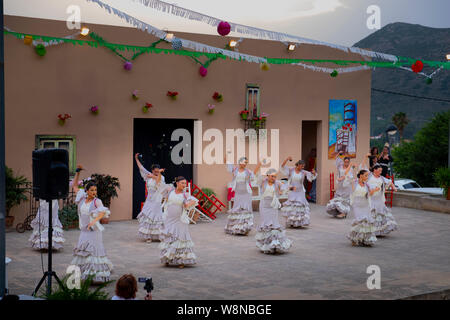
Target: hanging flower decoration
(211, 108)
(40, 50)
(429, 80)
(172, 94)
(134, 95)
(417, 66)
(62, 118)
(127, 65)
(264, 116)
(146, 107)
(244, 114)
(223, 28)
(334, 74)
(265, 66)
(203, 71)
(177, 44)
(28, 40)
(217, 96)
(94, 109)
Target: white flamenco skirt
(39, 237)
(240, 218)
(362, 232)
(296, 213)
(90, 256)
(272, 240)
(384, 221)
(338, 205)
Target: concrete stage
(322, 264)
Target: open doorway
(152, 139)
(309, 155)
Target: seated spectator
(126, 288)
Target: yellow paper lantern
(28, 40)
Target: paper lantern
(28, 40)
(177, 44)
(40, 50)
(223, 28)
(203, 71)
(128, 65)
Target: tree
(419, 159)
(400, 120)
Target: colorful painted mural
(342, 130)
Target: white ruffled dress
(270, 238)
(177, 247)
(90, 254)
(40, 224)
(296, 209)
(150, 218)
(363, 228)
(341, 201)
(384, 221)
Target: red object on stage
(146, 194)
(230, 194)
(213, 205)
(332, 185)
(389, 194)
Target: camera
(148, 284)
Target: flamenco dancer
(90, 254)
(339, 206)
(362, 232)
(384, 221)
(240, 217)
(270, 238)
(176, 242)
(39, 237)
(296, 208)
(150, 218)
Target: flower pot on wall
(9, 221)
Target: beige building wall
(70, 79)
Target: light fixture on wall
(448, 56)
(169, 36)
(84, 31)
(291, 47)
(232, 43)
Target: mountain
(413, 41)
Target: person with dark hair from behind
(90, 254)
(373, 157)
(126, 289)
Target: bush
(15, 189)
(419, 159)
(442, 178)
(84, 293)
(106, 187)
(68, 216)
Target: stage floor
(321, 264)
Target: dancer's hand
(148, 296)
(90, 225)
(80, 167)
(136, 156)
(162, 170)
(289, 158)
(292, 188)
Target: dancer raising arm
(270, 238)
(150, 218)
(90, 254)
(296, 209)
(339, 206)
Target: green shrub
(84, 293)
(68, 216)
(442, 178)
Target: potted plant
(15, 193)
(106, 190)
(217, 96)
(442, 178)
(83, 293)
(243, 114)
(172, 94)
(205, 204)
(68, 215)
(211, 108)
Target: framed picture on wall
(342, 128)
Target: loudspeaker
(50, 174)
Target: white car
(411, 185)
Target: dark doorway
(152, 139)
(309, 155)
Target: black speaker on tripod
(50, 182)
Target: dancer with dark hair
(90, 254)
(296, 209)
(176, 242)
(363, 226)
(240, 217)
(384, 221)
(270, 237)
(339, 206)
(150, 218)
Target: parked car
(411, 185)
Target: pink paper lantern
(203, 71)
(223, 28)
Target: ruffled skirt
(384, 221)
(39, 238)
(338, 205)
(150, 222)
(240, 218)
(362, 232)
(296, 213)
(90, 256)
(270, 239)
